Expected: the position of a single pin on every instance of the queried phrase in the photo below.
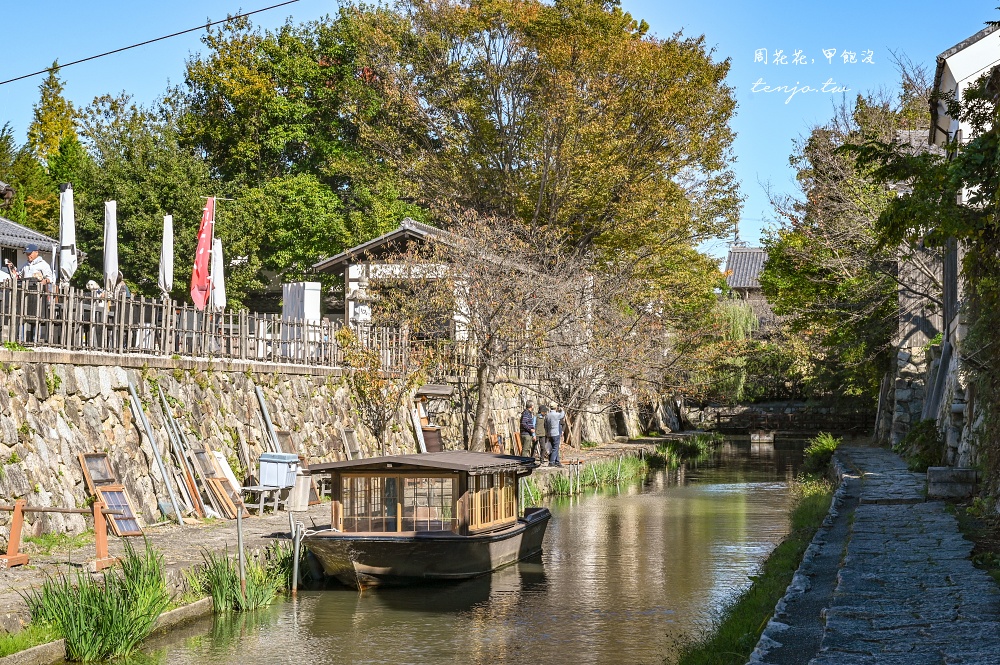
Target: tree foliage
(567, 115)
(829, 270)
(53, 120)
(957, 195)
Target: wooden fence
(74, 320)
(70, 319)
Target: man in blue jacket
(528, 428)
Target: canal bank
(904, 588)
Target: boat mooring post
(297, 539)
(242, 555)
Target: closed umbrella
(110, 245)
(67, 233)
(218, 278)
(166, 278)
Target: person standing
(553, 428)
(528, 428)
(36, 269)
(540, 438)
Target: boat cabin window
(398, 503)
(493, 500)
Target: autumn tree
(567, 116)
(378, 393)
(508, 292)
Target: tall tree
(54, 118)
(36, 200)
(827, 270)
(262, 106)
(569, 115)
(136, 159)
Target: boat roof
(450, 460)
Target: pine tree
(54, 118)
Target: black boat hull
(369, 560)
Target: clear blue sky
(36, 33)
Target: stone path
(905, 591)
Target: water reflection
(623, 575)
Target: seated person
(36, 269)
(5, 276)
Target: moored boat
(435, 516)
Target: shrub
(108, 618)
(923, 446)
(819, 452)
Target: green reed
(108, 617)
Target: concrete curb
(43, 654)
(170, 620)
(800, 583)
(55, 652)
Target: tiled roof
(13, 234)
(743, 265)
(394, 241)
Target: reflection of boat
(436, 516)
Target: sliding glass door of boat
(399, 503)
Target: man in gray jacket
(554, 431)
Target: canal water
(624, 576)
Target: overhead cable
(149, 41)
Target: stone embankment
(56, 405)
(886, 580)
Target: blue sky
(766, 122)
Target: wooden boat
(435, 516)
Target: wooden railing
(70, 319)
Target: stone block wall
(50, 412)
(54, 406)
(911, 382)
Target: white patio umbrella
(166, 278)
(67, 233)
(110, 245)
(217, 277)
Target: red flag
(200, 286)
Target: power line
(148, 41)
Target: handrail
(67, 511)
(13, 557)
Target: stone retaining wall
(54, 406)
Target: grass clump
(741, 622)
(33, 635)
(819, 453)
(602, 473)
(267, 573)
(107, 618)
(47, 543)
(923, 446)
(671, 453)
